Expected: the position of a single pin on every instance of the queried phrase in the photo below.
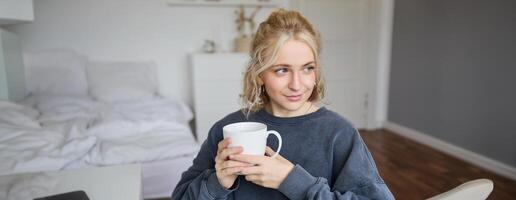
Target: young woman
(323, 156)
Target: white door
(344, 28)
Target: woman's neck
(306, 108)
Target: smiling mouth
(294, 97)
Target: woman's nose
(295, 82)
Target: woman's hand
(227, 170)
(268, 172)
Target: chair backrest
(478, 189)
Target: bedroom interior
(130, 88)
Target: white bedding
(27, 147)
(141, 131)
(62, 127)
(71, 132)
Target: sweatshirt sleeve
(357, 177)
(200, 181)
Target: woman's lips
(294, 97)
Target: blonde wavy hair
(281, 26)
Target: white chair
(478, 189)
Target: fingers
(225, 153)
(230, 164)
(254, 170)
(269, 151)
(231, 171)
(254, 178)
(253, 159)
(222, 152)
(223, 144)
(232, 167)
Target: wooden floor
(415, 171)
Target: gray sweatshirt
(331, 162)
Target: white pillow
(122, 81)
(56, 72)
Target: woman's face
(289, 82)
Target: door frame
(379, 71)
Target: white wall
(132, 30)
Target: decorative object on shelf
(264, 3)
(245, 28)
(208, 46)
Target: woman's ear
(260, 81)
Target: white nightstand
(217, 83)
(121, 182)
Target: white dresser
(217, 84)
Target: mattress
(159, 178)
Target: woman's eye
(308, 68)
(282, 70)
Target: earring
(260, 94)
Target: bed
(84, 113)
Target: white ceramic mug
(251, 136)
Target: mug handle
(275, 133)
